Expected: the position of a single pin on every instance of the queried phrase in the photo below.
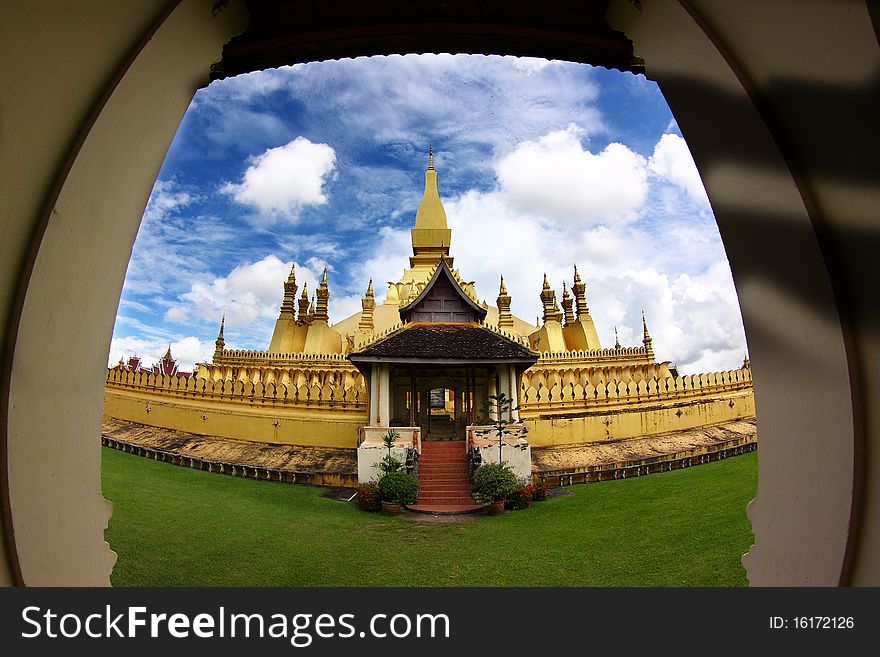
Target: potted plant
(492, 484)
(368, 496)
(495, 408)
(389, 463)
(397, 489)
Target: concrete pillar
(374, 395)
(514, 394)
(384, 401)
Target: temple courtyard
(178, 526)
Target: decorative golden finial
(370, 288)
(219, 344)
(646, 339)
(287, 305)
(430, 156)
(320, 313)
(505, 319)
(303, 305)
(567, 314)
(580, 295)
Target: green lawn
(173, 526)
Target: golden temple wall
(562, 406)
(308, 409)
(324, 403)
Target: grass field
(173, 526)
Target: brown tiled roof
(446, 342)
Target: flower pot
(390, 508)
(495, 508)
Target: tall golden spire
(646, 338)
(431, 235)
(551, 307)
(580, 297)
(505, 319)
(304, 305)
(287, 305)
(368, 303)
(566, 305)
(323, 294)
(219, 343)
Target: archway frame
(96, 181)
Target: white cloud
(188, 350)
(283, 180)
(672, 161)
(391, 251)
(555, 177)
(250, 297)
(166, 198)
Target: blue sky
(541, 165)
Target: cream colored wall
(311, 425)
(81, 70)
(774, 100)
(618, 419)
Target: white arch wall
(775, 100)
(69, 56)
(806, 458)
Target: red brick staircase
(445, 481)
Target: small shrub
(520, 498)
(493, 482)
(368, 497)
(398, 487)
(388, 464)
(540, 492)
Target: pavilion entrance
(441, 401)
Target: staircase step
(445, 500)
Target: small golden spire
(303, 304)
(370, 288)
(505, 319)
(568, 315)
(430, 156)
(646, 339)
(219, 344)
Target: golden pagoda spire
(287, 305)
(505, 319)
(548, 299)
(323, 294)
(368, 303)
(219, 344)
(646, 337)
(431, 235)
(566, 305)
(304, 305)
(580, 297)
